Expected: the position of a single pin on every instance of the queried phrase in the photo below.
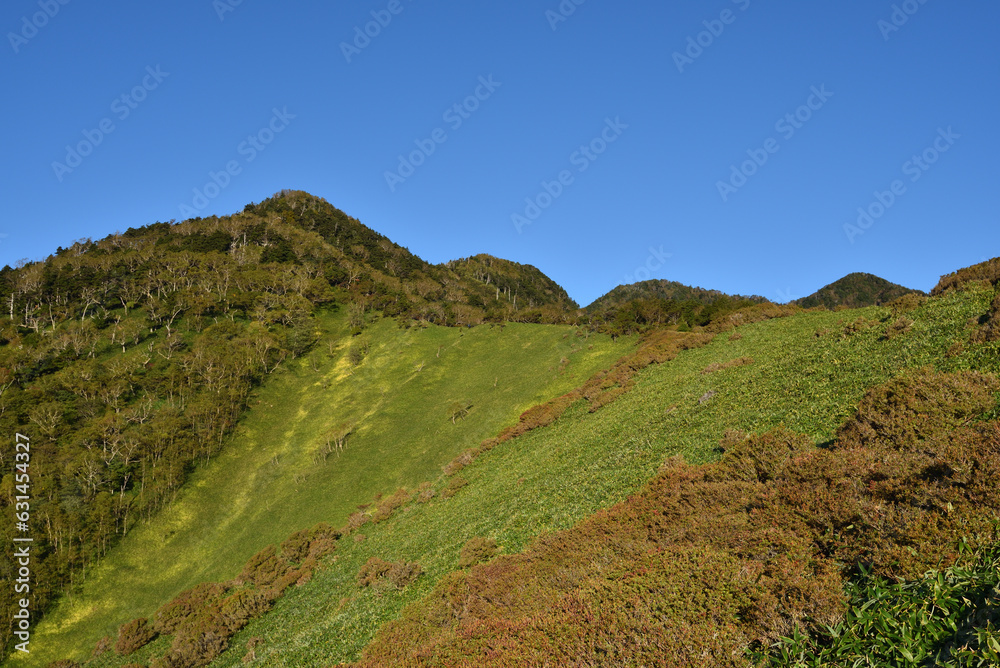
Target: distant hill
(663, 289)
(855, 291)
(521, 281)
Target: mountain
(665, 290)
(276, 438)
(855, 290)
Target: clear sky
(622, 122)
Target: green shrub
(477, 550)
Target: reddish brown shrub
(133, 636)
(459, 463)
(389, 505)
(908, 302)
(907, 411)
(264, 568)
(103, 645)
(383, 574)
(186, 604)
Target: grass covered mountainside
(283, 469)
(277, 438)
(855, 291)
(719, 540)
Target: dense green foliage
(654, 304)
(855, 291)
(660, 289)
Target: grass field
(808, 373)
(267, 483)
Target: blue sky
(621, 122)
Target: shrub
(458, 463)
(382, 574)
(387, 506)
(990, 330)
(455, 484)
(901, 325)
(133, 636)
(264, 568)
(908, 302)
(912, 409)
(103, 646)
(477, 550)
(859, 325)
(185, 605)
(356, 520)
(426, 492)
(949, 617)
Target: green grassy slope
(266, 483)
(809, 372)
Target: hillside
(783, 384)
(282, 470)
(855, 290)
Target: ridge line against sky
(737, 145)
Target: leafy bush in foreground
(948, 618)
